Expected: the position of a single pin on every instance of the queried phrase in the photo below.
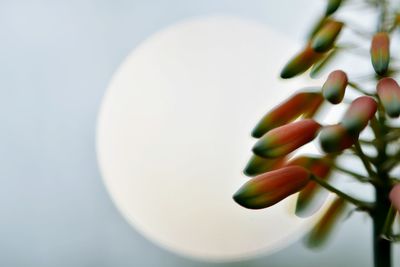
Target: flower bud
(325, 226)
(360, 112)
(332, 6)
(335, 138)
(285, 139)
(269, 188)
(335, 86)
(289, 110)
(325, 38)
(300, 63)
(389, 93)
(395, 196)
(380, 52)
(312, 196)
(258, 165)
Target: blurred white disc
(174, 135)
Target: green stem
(381, 246)
(359, 177)
(360, 204)
(364, 159)
(358, 88)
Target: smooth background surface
(173, 137)
(57, 58)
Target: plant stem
(358, 203)
(381, 246)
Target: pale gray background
(56, 59)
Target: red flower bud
(258, 165)
(326, 36)
(335, 138)
(313, 196)
(300, 63)
(269, 188)
(285, 139)
(335, 86)
(300, 103)
(358, 114)
(380, 52)
(389, 93)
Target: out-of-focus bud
(325, 38)
(285, 139)
(360, 112)
(322, 230)
(313, 196)
(335, 138)
(389, 93)
(269, 188)
(313, 107)
(300, 63)
(334, 88)
(395, 196)
(289, 110)
(317, 26)
(258, 165)
(332, 6)
(380, 52)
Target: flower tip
(242, 197)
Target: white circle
(173, 136)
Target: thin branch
(361, 204)
(364, 159)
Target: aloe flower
(334, 88)
(395, 196)
(258, 165)
(335, 138)
(269, 188)
(321, 232)
(310, 200)
(285, 139)
(389, 93)
(380, 52)
(303, 103)
(325, 38)
(360, 112)
(332, 6)
(291, 125)
(300, 63)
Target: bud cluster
(277, 174)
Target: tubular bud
(300, 63)
(332, 6)
(258, 165)
(389, 93)
(269, 188)
(335, 138)
(285, 139)
(325, 38)
(360, 112)
(325, 226)
(312, 196)
(380, 52)
(334, 88)
(289, 110)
